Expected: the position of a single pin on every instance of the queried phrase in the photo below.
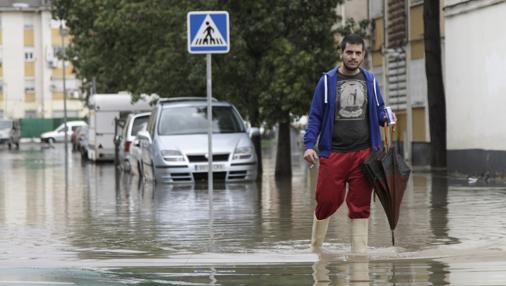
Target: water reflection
(109, 220)
(439, 208)
(361, 272)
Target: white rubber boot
(318, 234)
(359, 274)
(359, 235)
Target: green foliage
(352, 26)
(278, 50)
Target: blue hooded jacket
(322, 113)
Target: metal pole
(409, 109)
(210, 148)
(64, 105)
(210, 128)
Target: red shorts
(335, 171)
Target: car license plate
(205, 167)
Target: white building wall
(475, 78)
(41, 37)
(13, 25)
(13, 64)
(417, 85)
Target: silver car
(174, 146)
(135, 122)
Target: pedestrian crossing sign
(208, 32)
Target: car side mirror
(144, 135)
(253, 132)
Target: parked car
(174, 146)
(79, 134)
(106, 110)
(58, 135)
(134, 123)
(5, 129)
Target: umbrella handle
(386, 133)
(389, 134)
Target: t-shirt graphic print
(352, 101)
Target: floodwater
(109, 230)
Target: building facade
(31, 75)
(396, 55)
(475, 86)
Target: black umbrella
(388, 173)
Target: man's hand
(310, 156)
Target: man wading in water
(346, 113)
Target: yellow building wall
(1, 97)
(30, 69)
(57, 95)
(416, 32)
(29, 96)
(1, 37)
(400, 126)
(419, 127)
(29, 38)
(58, 72)
(56, 38)
(1, 71)
(377, 57)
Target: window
(29, 56)
(193, 120)
(139, 124)
(29, 85)
(28, 20)
(30, 113)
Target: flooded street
(108, 230)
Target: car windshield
(5, 124)
(193, 120)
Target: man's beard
(350, 68)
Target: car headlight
(172, 155)
(242, 153)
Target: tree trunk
(435, 87)
(283, 154)
(257, 140)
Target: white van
(58, 135)
(104, 109)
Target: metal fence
(33, 127)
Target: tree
(303, 48)
(435, 87)
(279, 50)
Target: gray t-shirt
(351, 125)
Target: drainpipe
(408, 141)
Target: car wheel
(153, 176)
(84, 154)
(10, 146)
(139, 169)
(50, 140)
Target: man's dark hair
(355, 39)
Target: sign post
(208, 33)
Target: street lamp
(62, 35)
